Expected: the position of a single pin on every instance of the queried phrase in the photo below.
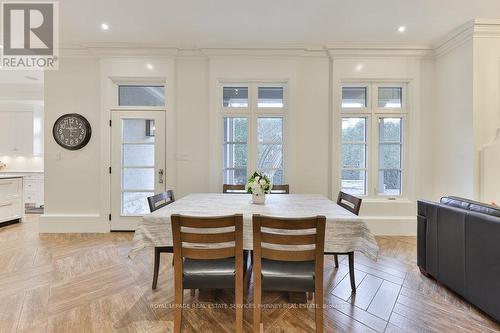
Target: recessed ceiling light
(1, 46)
(359, 67)
(402, 28)
(149, 66)
(104, 26)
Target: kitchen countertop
(10, 176)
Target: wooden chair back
(265, 239)
(281, 189)
(349, 202)
(184, 230)
(187, 238)
(278, 236)
(160, 200)
(235, 189)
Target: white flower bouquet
(258, 185)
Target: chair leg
(179, 302)
(193, 292)
(336, 258)
(351, 271)
(257, 301)
(156, 268)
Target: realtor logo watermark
(30, 35)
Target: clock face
(72, 131)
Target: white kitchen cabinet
(16, 133)
(33, 190)
(11, 199)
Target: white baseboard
(73, 223)
(392, 225)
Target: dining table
(344, 232)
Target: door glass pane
(354, 97)
(142, 155)
(141, 95)
(354, 182)
(135, 203)
(138, 165)
(390, 97)
(235, 97)
(138, 179)
(136, 131)
(270, 97)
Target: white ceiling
(198, 23)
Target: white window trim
(372, 112)
(252, 113)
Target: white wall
(486, 114)
(452, 126)
(78, 187)
(72, 178)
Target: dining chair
(234, 189)
(352, 204)
(203, 259)
(278, 267)
(281, 189)
(156, 202)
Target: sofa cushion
(471, 205)
(483, 262)
(451, 248)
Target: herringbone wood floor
(86, 283)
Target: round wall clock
(72, 131)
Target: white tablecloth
(345, 232)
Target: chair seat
(287, 275)
(210, 273)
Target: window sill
(387, 200)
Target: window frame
(253, 113)
(373, 113)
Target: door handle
(160, 176)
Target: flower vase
(258, 199)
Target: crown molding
(477, 28)
(378, 50)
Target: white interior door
(137, 164)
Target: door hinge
(109, 217)
(109, 169)
(110, 123)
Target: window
(354, 97)
(270, 150)
(129, 95)
(390, 97)
(270, 97)
(253, 121)
(354, 155)
(373, 139)
(235, 150)
(390, 155)
(235, 97)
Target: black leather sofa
(458, 244)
